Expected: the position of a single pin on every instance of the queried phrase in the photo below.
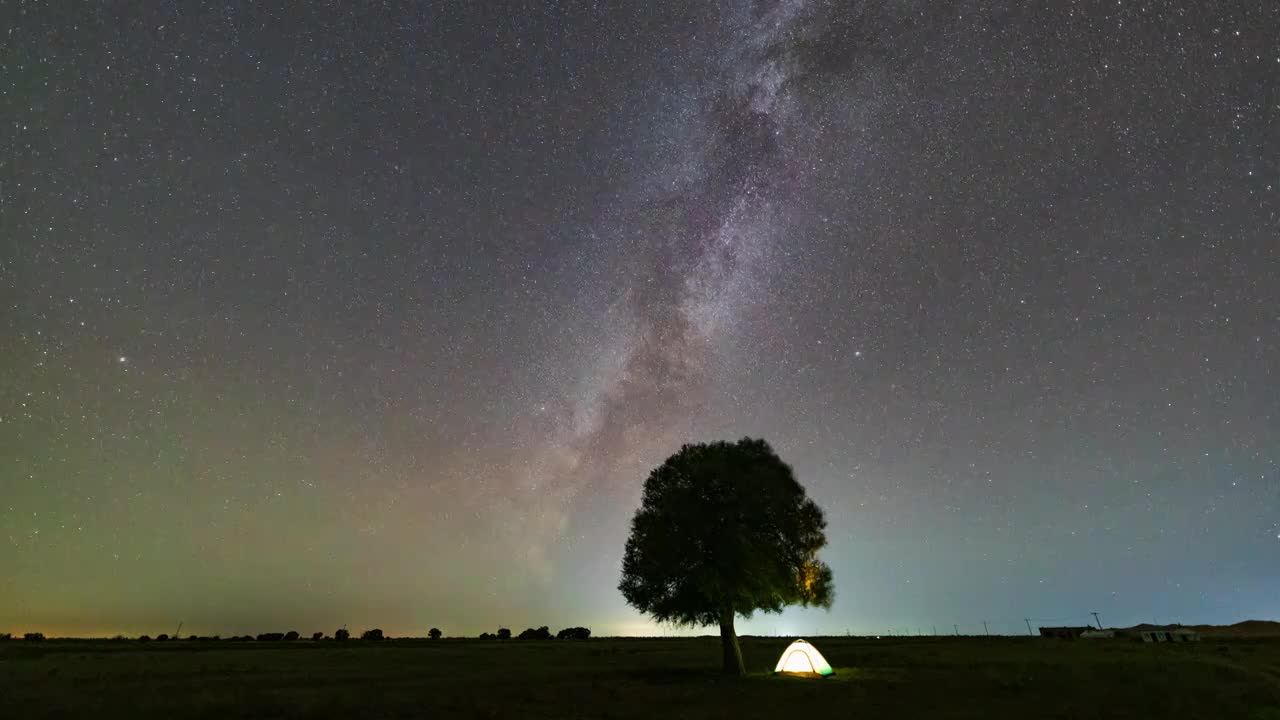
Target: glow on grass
(801, 658)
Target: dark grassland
(641, 678)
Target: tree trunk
(729, 645)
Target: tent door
(798, 661)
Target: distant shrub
(5, 636)
(341, 634)
(162, 637)
(374, 634)
(33, 637)
(317, 636)
(144, 638)
(291, 635)
(486, 636)
(574, 633)
(504, 633)
(271, 637)
(193, 637)
(434, 633)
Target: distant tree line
(542, 633)
(342, 634)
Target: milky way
(382, 315)
(688, 250)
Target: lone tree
(434, 633)
(723, 530)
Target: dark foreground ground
(659, 678)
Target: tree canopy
(724, 529)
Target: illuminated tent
(801, 658)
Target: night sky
(379, 314)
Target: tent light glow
(801, 658)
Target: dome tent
(801, 658)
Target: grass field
(640, 678)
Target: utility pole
(935, 630)
(957, 627)
(178, 633)
(1095, 619)
(1028, 621)
(985, 629)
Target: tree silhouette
(504, 633)
(291, 635)
(542, 633)
(434, 633)
(374, 634)
(341, 634)
(317, 636)
(724, 529)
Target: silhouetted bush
(504, 633)
(541, 633)
(192, 637)
(144, 638)
(5, 636)
(271, 637)
(33, 637)
(162, 636)
(341, 634)
(434, 633)
(574, 633)
(486, 636)
(291, 635)
(374, 634)
(317, 636)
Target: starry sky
(378, 314)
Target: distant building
(1064, 633)
(1175, 635)
(1098, 634)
